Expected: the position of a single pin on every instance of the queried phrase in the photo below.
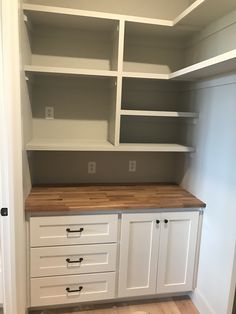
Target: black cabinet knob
(166, 221)
(157, 221)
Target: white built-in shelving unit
(203, 12)
(111, 78)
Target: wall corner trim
(201, 303)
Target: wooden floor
(170, 306)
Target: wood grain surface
(110, 197)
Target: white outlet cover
(132, 165)
(49, 113)
(92, 167)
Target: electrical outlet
(91, 167)
(132, 165)
(49, 113)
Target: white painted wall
(216, 38)
(211, 176)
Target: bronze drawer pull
(76, 290)
(74, 231)
(74, 262)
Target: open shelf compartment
(83, 113)
(151, 50)
(60, 39)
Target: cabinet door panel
(177, 252)
(138, 254)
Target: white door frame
(11, 162)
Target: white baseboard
(201, 303)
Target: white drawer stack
(72, 258)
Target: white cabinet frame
(158, 253)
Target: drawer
(69, 230)
(68, 260)
(72, 289)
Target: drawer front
(69, 230)
(68, 260)
(72, 289)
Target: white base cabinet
(157, 253)
(177, 252)
(73, 259)
(139, 246)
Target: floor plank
(167, 306)
(186, 306)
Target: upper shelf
(200, 12)
(64, 17)
(49, 15)
(68, 71)
(223, 63)
(153, 76)
(203, 12)
(220, 64)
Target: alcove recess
(72, 41)
(72, 68)
(153, 112)
(85, 64)
(152, 49)
(83, 109)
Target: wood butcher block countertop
(110, 197)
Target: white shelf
(69, 71)
(146, 113)
(56, 14)
(223, 63)
(155, 148)
(68, 145)
(73, 145)
(203, 12)
(198, 13)
(154, 76)
(65, 17)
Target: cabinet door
(138, 254)
(177, 252)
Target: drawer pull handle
(166, 221)
(157, 222)
(74, 262)
(73, 291)
(74, 231)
